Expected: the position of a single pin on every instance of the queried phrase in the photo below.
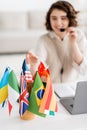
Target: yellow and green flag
(36, 96)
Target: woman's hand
(72, 34)
(76, 53)
(31, 58)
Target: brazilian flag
(36, 96)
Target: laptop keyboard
(64, 90)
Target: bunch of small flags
(39, 96)
(34, 93)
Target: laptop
(78, 103)
(64, 89)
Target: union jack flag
(24, 96)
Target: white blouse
(57, 55)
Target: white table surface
(61, 121)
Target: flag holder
(27, 115)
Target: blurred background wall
(22, 22)
(24, 5)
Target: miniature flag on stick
(24, 96)
(36, 96)
(48, 104)
(13, 90)
(4, 86)
(42, 70)
(26, 72)
(26, 84)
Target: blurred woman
(63, 49)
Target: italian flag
(13, 90)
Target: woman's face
(58, 20)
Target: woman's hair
(65, 6)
